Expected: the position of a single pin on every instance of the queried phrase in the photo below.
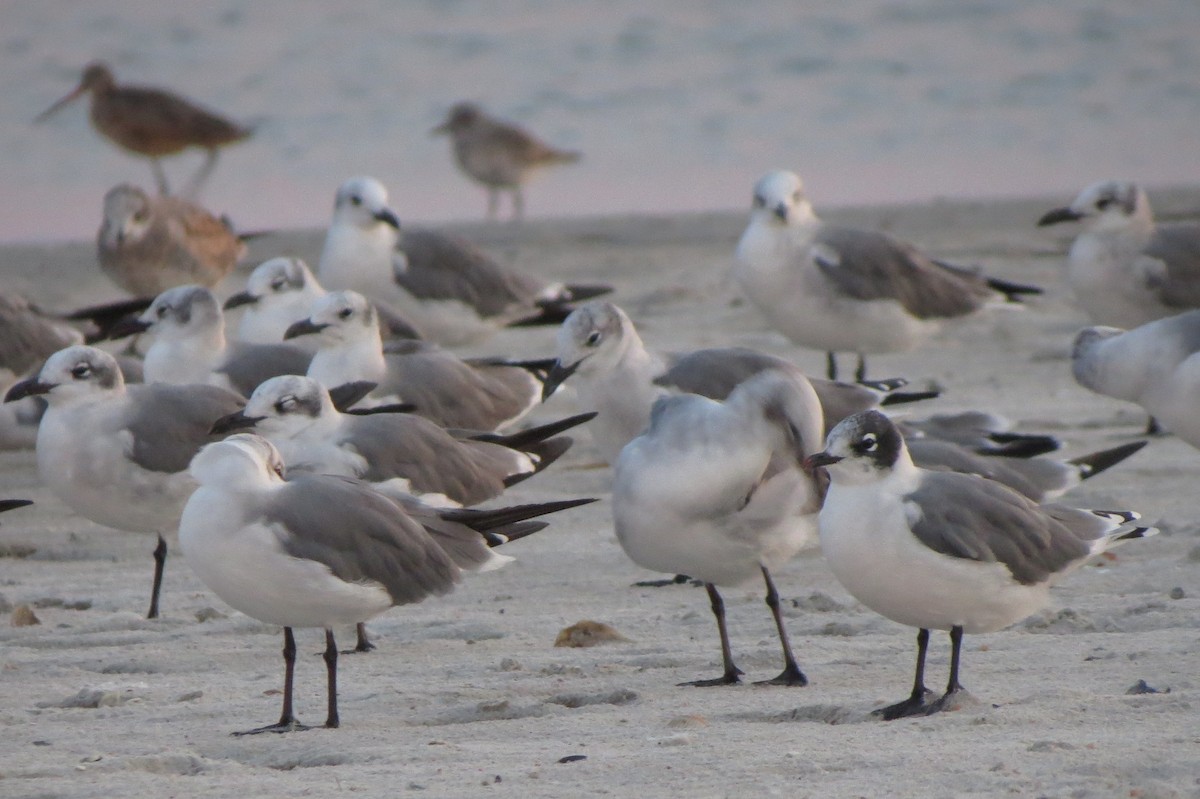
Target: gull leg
(363, 643)
(160, 178)
(791, 674)
(916, 704)
(953, 687)
(287, 721)
(831, 365)
(1152, 427)
(160, 560)
(732, 672)
(860, 374)
(331, 656)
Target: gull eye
(593, 338)
(759, 202)
(1104, 202)
(82, 372)
(278, 284)
(869, 443)
(355, 199)
(140, 217)
(162, 311)
(345, 313)
(285, 404)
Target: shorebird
(497, 154)
(150, 244)
(848, 290)
(319, 550)
(942, 550)
(1124, 269)
(452, 290)
(118, 454)
(152, 122)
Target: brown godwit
(152, 122)
(498, 154)
(150, 244)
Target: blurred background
(677, 106)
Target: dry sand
(467, 696)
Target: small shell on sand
(23, 616)
(588, 633)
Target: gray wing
(454, 393)
(1178, 247)
(400, 445)
(27, 338)
(361, 535)
(170, 423)
(1030, 477)
(976, 519)
(867, 265)
(442, 267)
(248, 365)
(715, 372)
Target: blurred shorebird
(498, 154)
(151, 122)
(150, 244)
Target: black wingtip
(1013, 291)
(1019, 445)
(527, 438)
(1094, 463)
(904, 397)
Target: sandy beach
(467, 695)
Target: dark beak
(27, 388)
(303, 328)
(555, 377)
(240, 299)
(1059, 215)
(234, 421)
(76, 92)
(124, 328)
(819, 459)
(781, 211)
(388, 217)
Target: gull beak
(441, 130)
(303, 328)
(234, 421)
(555, 377)
(388, 217)
(818, 459)
(1059, 215)
(28, 388)
(240, 299)
(127, 327)
(76, 92)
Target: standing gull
(715, 490)
(152, 123)
(444, 388)
(118, 455)
(847, 290)
(942, 550)
(497, 154)
(1124, 269)
(450, 289)
(319, 551)
(149, 244)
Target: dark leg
(732, 672)
(160, 177)
(331, 653)
(831, 365)
(160, 560)
(953, 687)
(791, 674)
(1152, 427)
(860, 374)
(364, 642)
(915, 704)
(287, 721)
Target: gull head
(591, 340)
(861, 448)
(244, 461)
(1089, 366)
(339, 317)
(180, 313)
(73, 375)
(277, 279)
(1105, 205)
(127, 216)
(363, 203)
(790, 407)
(779, 199)
(281, 408)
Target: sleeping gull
(319, 550)
(118, 454)
(1124, 269)
(942, 550)
(189, 345)
(451, 290)
(297, 416)
(848, 290)
(475, 395)
(715, 490)
(280, 292)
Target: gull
(943, 550)
(406, 451)
(189, 345)
(1155, 365)
(280, 292)
(117, 454)
(453, 291)
(844, 289)
(445, 389)
(148, 244)
(497, 154)
(13, 504)
(320, 550)
(152, 123)
(715, 490)
(1124, 269)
